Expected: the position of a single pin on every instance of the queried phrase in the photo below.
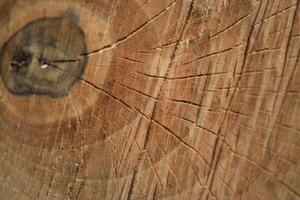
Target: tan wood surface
(179, 99)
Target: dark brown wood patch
(42, 58)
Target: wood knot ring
(43, 57)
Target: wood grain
(180, 99)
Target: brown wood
(169, 99)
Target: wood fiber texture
(180, 99)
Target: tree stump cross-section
(150, 99)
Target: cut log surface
(150, 99)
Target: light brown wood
(179, 99)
